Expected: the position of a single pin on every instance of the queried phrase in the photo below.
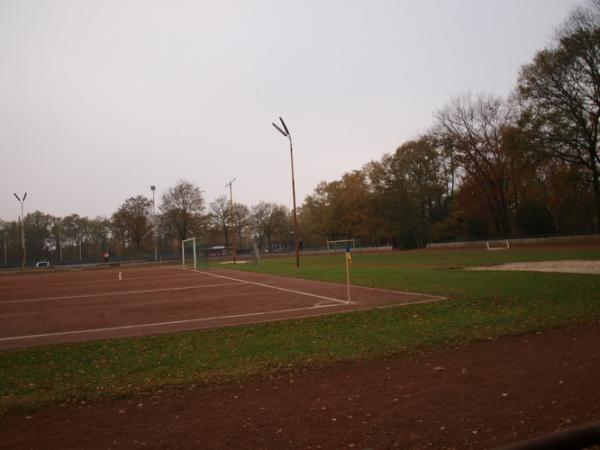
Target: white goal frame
(193, 240)
(505, 241)
(346, 241)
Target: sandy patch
(573, 266)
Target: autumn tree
(314, 216)
(349, 202)
(75, 229)
(560, 94)
(4, 239)
(99, 233)
(37, 230)
(282, 226)
(411, 190)
(132, 222)
(10, 241)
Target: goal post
(255, 254)
(497, 245)
(340, 245)
(193, 256)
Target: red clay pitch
(61, 307)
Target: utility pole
(287, 134)
(22, 228)
(233, 243)
(153, 188)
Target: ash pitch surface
(47, 308)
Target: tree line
(487, 167)
(135, 229)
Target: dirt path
(478, 396)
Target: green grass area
(483, 305)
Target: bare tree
(241, 220)
(269, 222)
(472, 129)
(182, 210)
(133, 221)
(219, 217)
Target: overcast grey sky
(101, 99)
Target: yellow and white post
(348, 262)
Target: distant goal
(340, 245)
(497, 245)
(192, 255)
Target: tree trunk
(226, 234)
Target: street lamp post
(22, 227)
(287, 134)
(233, 243)
(153, 188)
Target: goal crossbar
(187, 242)
(333, 245)
(193, 254)
(497, 245)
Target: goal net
(193, 256)
(340, 245)
(497, 245)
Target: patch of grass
(483, 305)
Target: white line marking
(54, 278)
(204, 319)
(159, 324)
(155, 277)
(108, 294)
(256, 283)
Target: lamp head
(280, 130)
(284, 126)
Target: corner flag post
(348, 262)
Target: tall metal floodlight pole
(22, 227)
(287, 134)
(153, 188)
(233, 244)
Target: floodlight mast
(287, 134)
(233, 243)
(22, 227)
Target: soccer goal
(340, 245)
(192, 255)
(497, 245)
